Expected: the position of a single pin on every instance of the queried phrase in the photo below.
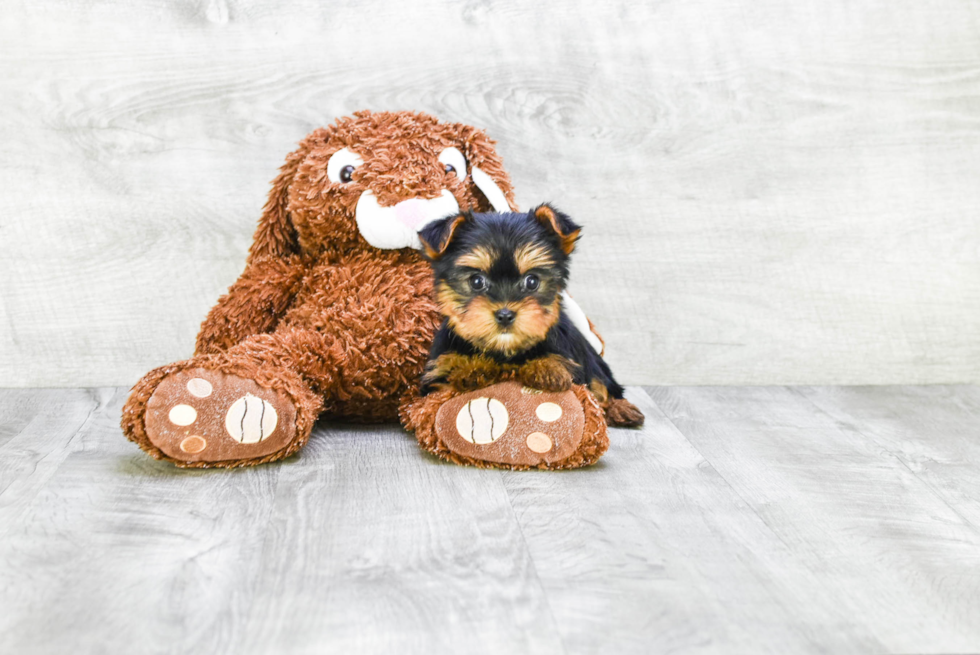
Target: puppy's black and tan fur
(498, 280)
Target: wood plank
(360, 544)
(653, 551)
(934, 431)
(36, 435)
(737, 521)
(772, 192)
(116, 552)
(900, 560)
(19, 407)
(374, 547)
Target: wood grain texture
(772, 192)
(653, 551)
(738, 520)
(115, 552)
(363, 544)
(894, 416)
(396, 551)
(894, 549)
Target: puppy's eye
(478, 282)
(531, 282)
(453, 162)
(342, 164)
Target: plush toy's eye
(531, 282)
(478, 282)
(454, 162)
(342, 165)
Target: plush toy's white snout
(395, 227)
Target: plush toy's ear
(437, 235)
(276, 235)
(568, 232)
(490, 189)
(486, 171)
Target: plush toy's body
(334, 312)
(357, 329)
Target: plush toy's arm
(253, 305)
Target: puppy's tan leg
(620, 413)
(550, 373)
(462, 372)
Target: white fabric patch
(482, 421)
(548, 412)
(251, 419)
(182, 415)
(390, 228)
(579, 320)
(490, 189)
(199, 387)
(539, 442)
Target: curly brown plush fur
(326, 321)
(337, 325)
(366, 315)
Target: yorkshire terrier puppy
(498, 280)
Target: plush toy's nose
(505, 317)
(412, 213)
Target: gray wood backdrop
(774, 192)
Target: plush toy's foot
(199, 418)
(511, 426)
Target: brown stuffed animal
(334, 315)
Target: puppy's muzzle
(505, 317)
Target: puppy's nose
(505, 316)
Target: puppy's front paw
(471, 378)
(549, 373)
(462, 373)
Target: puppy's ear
(568, 232)
(437, 235)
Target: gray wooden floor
(740, 520)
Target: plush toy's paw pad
(622, 413)
(198, 415)
(512, 424)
